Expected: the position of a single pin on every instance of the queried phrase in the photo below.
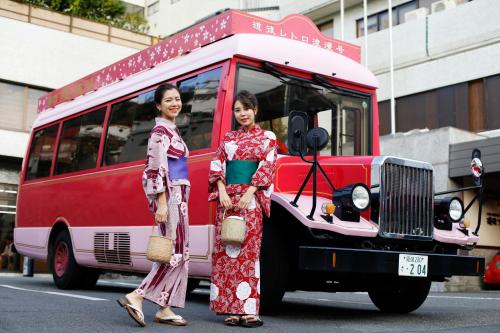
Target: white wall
(49, 58)
(174, 17)
(13, 143)
(428, 146)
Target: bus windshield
(346, 117)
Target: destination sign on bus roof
(296, 27)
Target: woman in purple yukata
(166, 185)
(241, 180)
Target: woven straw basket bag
(233, 230)
(160, 248)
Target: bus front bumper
(344, 260)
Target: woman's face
(170, 105)
(244, 117)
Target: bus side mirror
(297, 130)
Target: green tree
(111, 12)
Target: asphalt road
(36, 305)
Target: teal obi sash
(240, 171)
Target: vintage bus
(362, 222)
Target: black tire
(401, 295)
(90, 277)
(69, 275)
(192, 284)
(274, 267)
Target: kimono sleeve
(155, 178)
(217, 171)
(264, 175)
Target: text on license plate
(412, 265)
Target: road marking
(54, 293)
(134, 285)
(325, 300)
(467, 297)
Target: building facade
(40, 51)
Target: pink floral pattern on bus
(235, 281)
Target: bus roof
(277, 50)
(232, 22)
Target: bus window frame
(243, 62)
(224, 65)
(217, 120)
(27, 157)
(61, 126)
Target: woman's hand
(224, 198)
(161, 214)
(247, 197)
(162, 209)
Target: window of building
(380, 21)
(199, 97)
(492, 102)
(19, 104)
(153, 8)
(130, 122)
(326, 28)
(41, 152)
(79, 143)
(447, 106)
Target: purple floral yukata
(166, 283)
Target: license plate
(412, 265)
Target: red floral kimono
(235, 281)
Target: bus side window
(79, 143)
(130, 122)
(41, 152)
(199, 97)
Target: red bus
(365, 223)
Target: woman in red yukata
(241, 179)
(166, 185)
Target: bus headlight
(360, 197)
(350, 201)
(455, 209)
(448, 209)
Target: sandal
(134, 312)
(175, 320)
(232, 321)
(251, 321)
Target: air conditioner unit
(439, 6)
(416, 14)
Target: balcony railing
(76, 25)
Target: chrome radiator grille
(406, 199)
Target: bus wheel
(90, 277)
(274, 263)
(402, 296)
(67, 274)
